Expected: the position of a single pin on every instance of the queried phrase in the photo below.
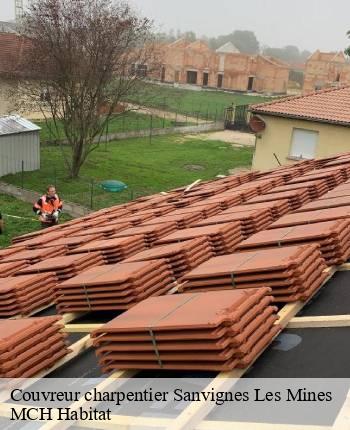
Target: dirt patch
(194, 167)
(236, 138)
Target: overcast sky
(309, 24)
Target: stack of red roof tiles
(114, 287)
(181, 257)
(293, 273)
(21, 295)
(113, 250)
(28, 346)
(222, 237)
(65, 267)
(208, 331)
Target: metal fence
(237, 118)
(205, 105)
(85, 191)
(134, 121)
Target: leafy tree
(170, 36)
(347, 50)
(189, 35)
(245, 41)
(84, 56)
(304, 55)
(289, 54)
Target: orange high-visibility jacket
(48, 205)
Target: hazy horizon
(311, 25)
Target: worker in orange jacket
(48, 207)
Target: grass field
(130, 121)
(165, 163)
(17, 226)
(205, 103)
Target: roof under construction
(204, 289)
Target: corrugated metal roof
(7, 27)
(15, 124)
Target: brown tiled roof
(329, 106)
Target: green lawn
(205, 103)
(17, 226)
(165, 163)
(128, 121)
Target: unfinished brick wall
(195, 63)
(326, 69)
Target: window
(220, 80)
(205, 79)
(250, 83)
(191, 77)
(304, 143)
(141, 71)
(162, 74)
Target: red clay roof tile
(330, 106)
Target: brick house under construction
(227, 68)
(326, 70)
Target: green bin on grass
(113, 186)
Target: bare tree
(83, 55)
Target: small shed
(19, 145)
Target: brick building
(227, 68)
(11, 50)
(326, 70)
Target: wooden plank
(225, 425)
(81, 328)
(342, 421)
(320, 321)
(189, 188)
(125, 422)
(344, 267)
(290, 310)
(5, 409)
(36, 311)
(71, 316)
(104, 385)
